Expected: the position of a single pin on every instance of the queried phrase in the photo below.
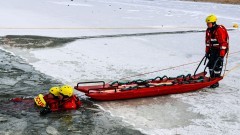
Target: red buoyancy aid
(52, 103)
(71, 103)
(217, 39)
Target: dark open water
(19, 79)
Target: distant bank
(219, 1)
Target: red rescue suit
(217, 39)
(70, 103)
(216, 48)
(53, 103)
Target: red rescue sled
(146, 88)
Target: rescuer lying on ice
(58, 99)
(216, 47)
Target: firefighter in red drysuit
(49, 102)
(52, 99)
(68, 100)
(62, 99)
(216, 46)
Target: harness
(212, 42)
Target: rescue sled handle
(215, 64)
(103, 83)
(199, 65)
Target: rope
(158, 70)
(232, 69)
(100, 28)
(225, 67)
(103, 28)
(172, 68)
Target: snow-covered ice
(205, 112)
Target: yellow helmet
(55, 91)
(66, 90)
(211, 18)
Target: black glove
(207, 55)
(45, 111)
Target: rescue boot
(214, 85)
